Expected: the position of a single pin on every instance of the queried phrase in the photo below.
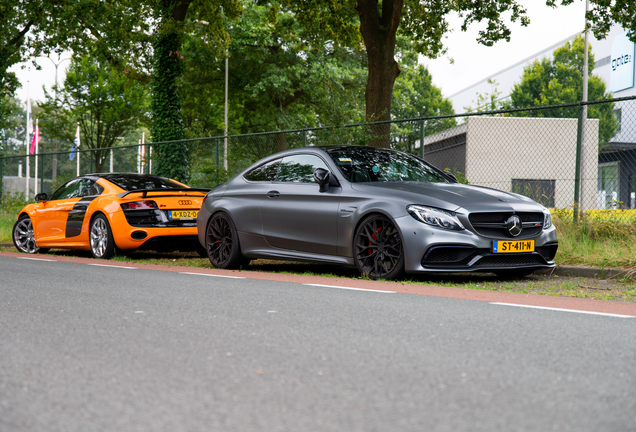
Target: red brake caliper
(374, 238)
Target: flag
(29, 117)
(76, 144)
(36, 138)
(77, 138)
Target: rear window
(132, 182)
(265, 172)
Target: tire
(101, 238)
(24, 238)
(378, 249)
(222, 242)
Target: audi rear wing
(144, 192)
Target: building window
(542, 191)
(618, 116)
(608, 186)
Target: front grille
(549, 251)
(510, 260)
(493, 225)
(464, 258)
(448, 254)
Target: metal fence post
(217, 152)
(41, 172)
(1, 175)
(577, 169)
(422, 138)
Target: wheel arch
(110, 225)
(367, 214)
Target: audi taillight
(139, 205)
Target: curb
(587, 272)
(567, 271)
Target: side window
(76, 189)
(95, 189)
(265, 172)
(299, 168)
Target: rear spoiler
(144, 192)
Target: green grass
(10, 205)
(597, 243)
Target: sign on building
(622, 65)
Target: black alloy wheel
(378, 251)
(222, 243)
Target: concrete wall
(18, 184)
(500, 149)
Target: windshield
(364, 164)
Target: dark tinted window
(77, 188)
(361, 164)
(299, 168)
(132, 182)
(265, 172)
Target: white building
(616, 163)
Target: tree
(605, 13)
(422, 22)
(106, 104)
(489, 101)
(560, 81)
(415, 96)
(277, 79)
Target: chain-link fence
(579, 158)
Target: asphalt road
(92, 348)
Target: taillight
(204, 198)
(139, 205)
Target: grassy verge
(606, 243)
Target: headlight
(547, 219)
(436, 217)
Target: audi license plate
(512, 246)
(183, 214)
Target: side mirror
(321, 176)
(41, 197)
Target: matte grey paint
(295, 221)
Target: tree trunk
(167, 123)
(378, 29)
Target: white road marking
(212, 275)
(349, 288)
(36, 259)
(565, 310)
(113, 266)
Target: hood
(450, 196)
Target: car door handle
(273, 194)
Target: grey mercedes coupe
(384, 211)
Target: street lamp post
(54, 163)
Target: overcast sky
(472, 62)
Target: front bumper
(430, 249)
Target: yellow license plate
(512, 246)
(183, 214)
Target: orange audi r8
(106, 212)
